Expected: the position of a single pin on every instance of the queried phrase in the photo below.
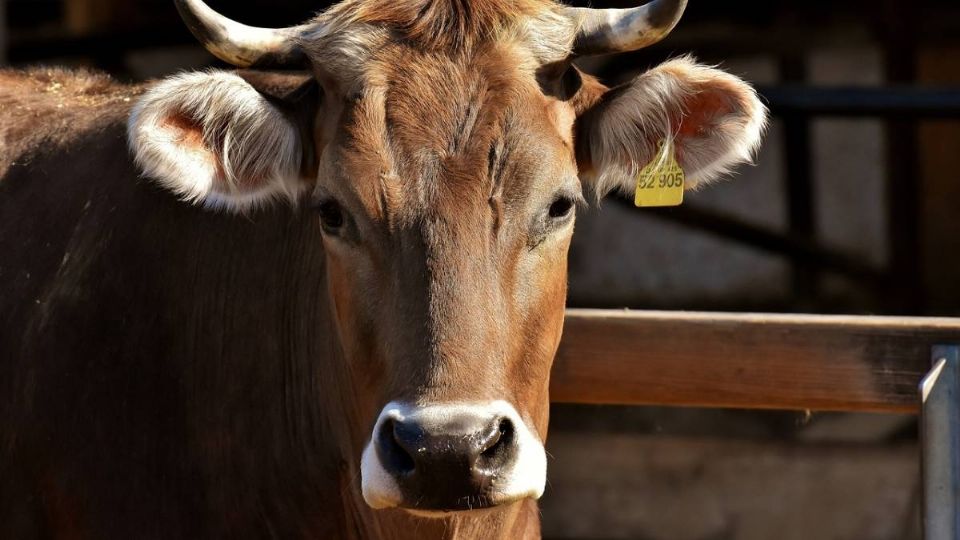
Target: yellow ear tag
(660, 183)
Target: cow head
(445, 146)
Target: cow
(319, 296)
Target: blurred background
(852, 207)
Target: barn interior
(851, 207)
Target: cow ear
(714, 120)
(215, 139)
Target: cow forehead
(432, 132)
(353, 31)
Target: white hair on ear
(212, 139)
(624, 133)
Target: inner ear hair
(279, 87)
(297, 95)
(244, 150)
(714, 119)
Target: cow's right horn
(239, 44)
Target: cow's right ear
(711, 119)
(217, 139)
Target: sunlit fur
(457, 26)
(211, 138)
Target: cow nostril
(395, 456)
(500, 440)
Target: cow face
(447, 238)
(444, 153)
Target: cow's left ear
(714, 119)
(226, 140)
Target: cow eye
(561, 207)
(331, 215)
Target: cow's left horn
(602, 31)
(239, 44)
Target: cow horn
(602, 31)
(238, 44)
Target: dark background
(851, 208)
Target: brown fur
(450, 26)
(50, 104)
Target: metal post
(940, 440)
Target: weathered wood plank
(816, 362)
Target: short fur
(450, 26)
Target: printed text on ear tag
(660, 183)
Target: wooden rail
(815, 362)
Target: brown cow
(380, 370)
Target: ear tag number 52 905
(660, 183)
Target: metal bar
(24, 50)
(940, 440)
(800, 192)
(899, 28)
(886, 102)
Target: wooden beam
(755, 361)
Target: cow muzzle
(451, 457)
